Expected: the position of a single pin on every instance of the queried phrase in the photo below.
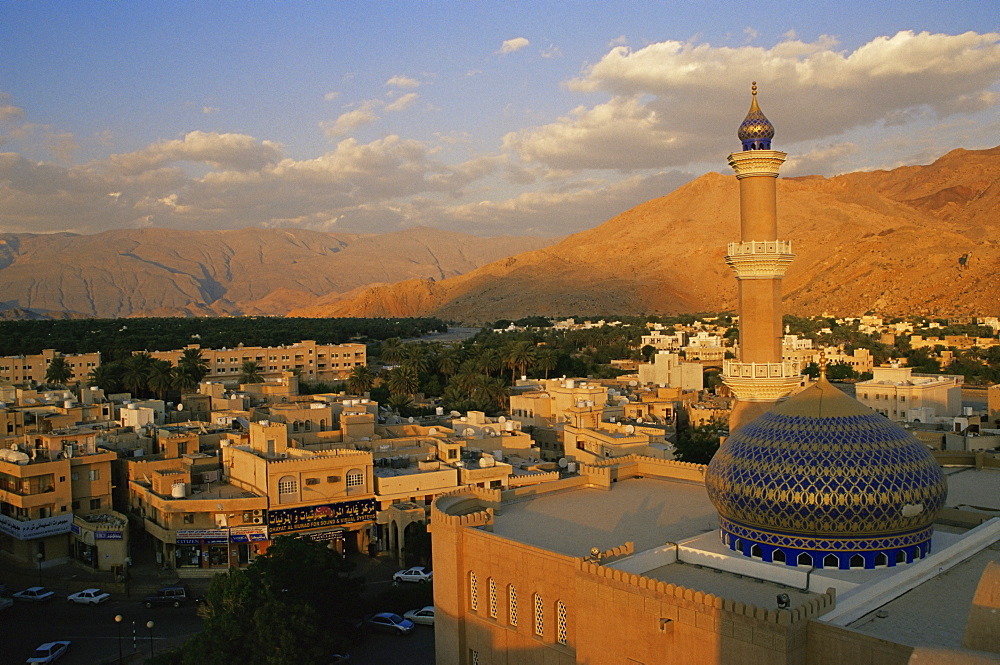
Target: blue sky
(487, 117)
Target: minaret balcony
(782, 370)
(760, 259)
(761, 382)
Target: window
(560, 622)
(76, 505)
(189, 518)
(95, 504)
(355, 478)
(95, 474)
(474, 656)
(473, 592)
(539, 616)
(493, 599)
(312, 481)
(287, 489)
(512, 605)
(74, 475)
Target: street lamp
(118, 622)
(149, 624)
(40, 557)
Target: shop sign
(337, 534)
(247, 534)
(316, 517)
(107, 535)
(202, 537)
(40, 528)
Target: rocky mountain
(913, 240)
(162, 272)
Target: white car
(48, 652)
(34, 594)
(415, 574)
(424, 615)
(89, 597)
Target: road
(92, 629)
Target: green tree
(160, 376)
(361, 380)
(192, 366)
(519, 356)
(107, 376)
(135, 372)
(404, 380)
(391, 351)
(250, 372)
(58, 371)
(698, 444)
(546, 360)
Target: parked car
(89, 597)
(414, 574)
(168, 595)
(387, 622)
(34, 594)
(48, 652)
(424, 615)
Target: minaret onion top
(756, 131)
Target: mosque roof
(755, 125)
(823, 463)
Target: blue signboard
(305, 518)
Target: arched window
(804, 559)
(322, 424)
(493, 598)
(295, 426)
(831, 561)
(755, 551)
(288, 489)
(512, 605)
(857, 561)
(738, 545)
(473, 592)
(309, 425)
(778, 556)
(539, 616)
(355, 480)
(560, 622)
(881, 559)
(900, 556)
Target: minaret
(759, 378)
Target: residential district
(851, 524)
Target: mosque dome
(823, 480)
(756, 131)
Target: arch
(561, 633)
(288, 489)
(831, 561)
(473, 591)
(493, 598)
(738, 545)
(539, 616)
(778, 556)
(512, 605)
(857, 561)
(804, 559)
(881, 559)
(901, 556)
(322, 424)
(756, 552)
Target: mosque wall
(833, 645)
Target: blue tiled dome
(821, 474)
(756, 131)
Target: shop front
(100, 541)
(344, 525)
(202, 548)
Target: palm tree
(404, 381)
(392, 351)
(136, 372)
(58, 371)
(160, 376)
(250, 372)
(108, 377)
(415, 355)
(399, 401)
(495, 390)
(518, 356)
(488, 361)
(447, 362)
(546, 360)
(193, 364)
(361, 380)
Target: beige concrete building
(552, 400)
(31, 369)
(310, 360)
(900, 395)
(667, 369)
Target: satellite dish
(432, 431)
(630, 429)
(638, 420)
(469, 432)
(410, 419)
(562, 463)
(501, 419)
(180, 407)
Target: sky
(486, 117)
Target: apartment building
(31, 369)
(900, 395)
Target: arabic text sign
(316, 517)
(40, 528)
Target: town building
(310, 361)
(31, 369)
(903, 396)
(667, 369)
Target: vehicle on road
(48, 652)
(174, 596)
(34, 594)
(387, 622)
(424, 615)
(414, 574)
(89, 597)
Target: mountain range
(915, 240)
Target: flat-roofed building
(31, 369)
(903, 396)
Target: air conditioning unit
(258, 520)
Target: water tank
(570, 383)
(67, 404)
(571, 467)
(178, 490)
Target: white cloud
(400, 81)
(551, 51)
(209, 110)
(516, 44)
(402, 103)
(330, 96)
(348, 122)
(222, 151)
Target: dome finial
(756, 131)
(822, 365)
